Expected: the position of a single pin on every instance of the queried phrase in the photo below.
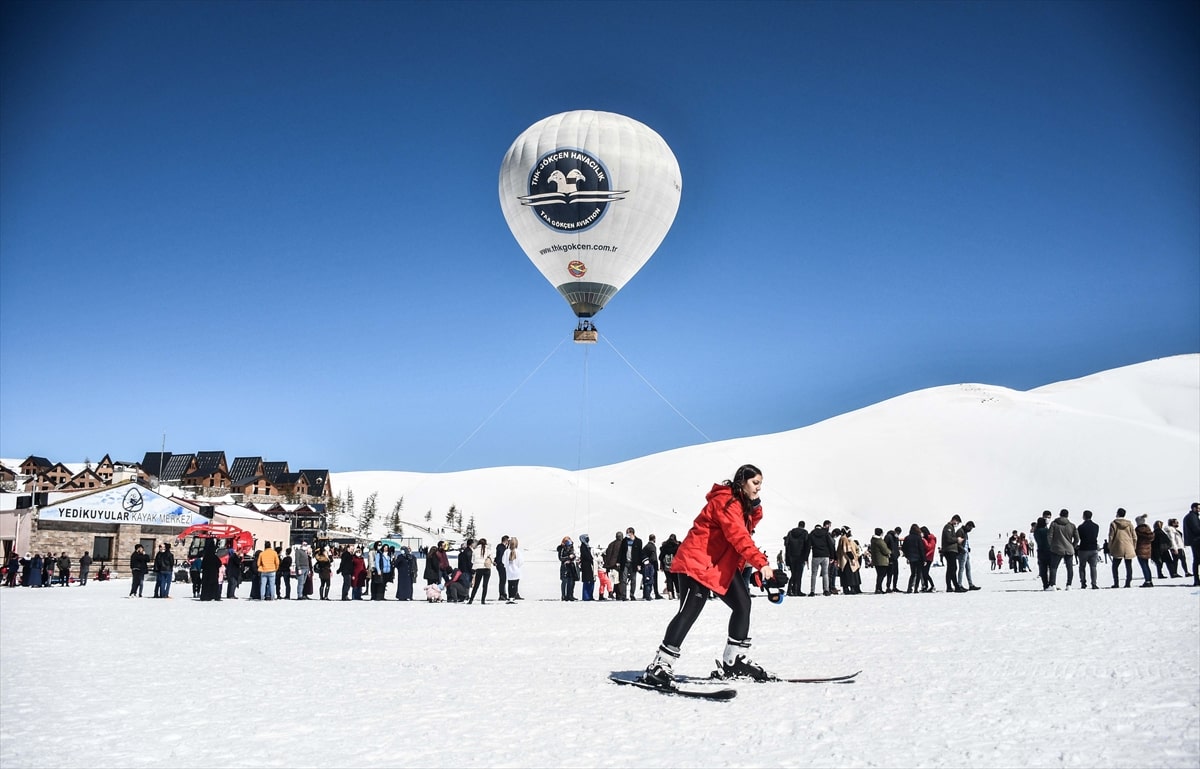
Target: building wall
(55, 537)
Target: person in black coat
(795, 549)
(255, 582)
(629, 559)
(568, 570)
(164, 566)
(233, 571)
(501, 573)
(433, 570)
(12, 567)
(35, 570)
(85, 564)
(210, 572)
(666, 557)
(139, 564)
(892, 540)
(650, 570)
(404, 566)
(346, 569)
(587, 568)
(821, 547)
(1088, 549)
(913, 548)
(1191, 538)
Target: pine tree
(349, 508)
(453, 511)
(471, 528)
(367, 519)
(429, 515)
(397, 527)
(332, 510)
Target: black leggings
(693, 596)
(481, 578)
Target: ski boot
(736, 663)
(659, 672)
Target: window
(147, 544)
(102, 548)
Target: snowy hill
(1128, 437)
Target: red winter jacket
(931, 544)
(718, 545)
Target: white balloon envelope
(589, 196)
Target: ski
(843, 679)
(706, 693)
(716, 678)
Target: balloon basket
(586, 333)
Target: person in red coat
(710, 560)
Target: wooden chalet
(209, 471)
(36, 467)
(205, 470)
(245, 468)
(292, 485)
(317, 482)
(83, 480)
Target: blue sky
(273, 228)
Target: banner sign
(126, 504)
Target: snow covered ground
(1007, 676)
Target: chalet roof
(177, 466)
(85, 474)
(155, 462)
(287, 479)
(264, 507)
(243, 469)
(244, 482)
(39, 461)
(316, 479)
(272, 470)
(209, 462)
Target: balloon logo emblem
(577, 269)
(568, 190)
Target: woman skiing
(710, 560)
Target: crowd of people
(38, 570)
(1059, 541)
(833, 556)
(629, 569)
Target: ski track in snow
(1007, 676)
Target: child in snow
(606, 585)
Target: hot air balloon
(589, 196)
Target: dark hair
(1087, 514)
(878, 531)
(743, 474)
